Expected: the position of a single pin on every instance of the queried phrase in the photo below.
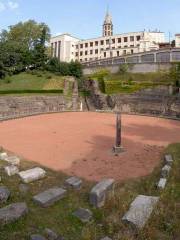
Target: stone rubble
(74, 182)
(99, 192)
(3, 156)
(12, 212)
(165, 171)
(168, 159)
(37, 237)
(4, 194)
(162, 183)
(140, 210)
(32, 175)
(106, 238)
(13, 160)
(11, 170)
(84, 215)
(49, 197)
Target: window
(132, 51)
(86, 52)
(91, 44)
(107, 41)
(113, 40)
(138, 38)
(85, 59)
(125, 39)
(125, 46)
(118, 53)
(96, 51)
(124, 52)
(104, 54)
(132, 38)
(76, 54)
(80, 60)
(91, 52)
(131, 45)
(86, 45)
(96, 43)
(102, 42)
(81, 53)
(81, 45)
(77, 46)
(119, 40)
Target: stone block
(99, 192)
(13, 160)
(162, 183)
(84, 215)
(140, 211)
(3, 156)
(12, 212)
(74, 182)
(51, 235)
(106, 238)
(165, 171)
(4, 194)
(49, 197)
(11, 170)
(32, 175)
(168, 159)
(37, 237)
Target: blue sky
(83, 18)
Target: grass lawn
(164, 223)
(36, 81)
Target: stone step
(99, 192)
(140, 211)
(49, 197)
(13, 160)
(162, 183)
(12, 212)
(168, 159)
(84, 215)
(32, 175)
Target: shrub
(123, 68)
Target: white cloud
(2, 7)
(12, 5)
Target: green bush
(123, 68)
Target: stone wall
(13, 106)
(134, 68)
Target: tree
(24, 45)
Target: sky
(84, 18)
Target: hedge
(23, 91)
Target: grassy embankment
(164, 223)
(130, 82)
(33, 82)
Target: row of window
(105, 55)
(108, 41)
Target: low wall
(134, 68)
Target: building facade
(177, 40)
(68, 48)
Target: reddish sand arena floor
(80, 143)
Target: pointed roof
(108, 18)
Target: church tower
(108, 25)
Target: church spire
(107, 25)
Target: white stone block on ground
(32, 175)
(11, 170)
(13, 160)
(74, 182)
(49, 197)
(37, 237)
(162, 183)
(84, 215)
(168, 159)
(12, 212)
(3, 156)
(165, 171)
(140, 210)
(99, 192)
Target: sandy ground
(80, 143)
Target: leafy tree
(174, 74)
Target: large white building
(67, 48)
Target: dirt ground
(80, 143)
